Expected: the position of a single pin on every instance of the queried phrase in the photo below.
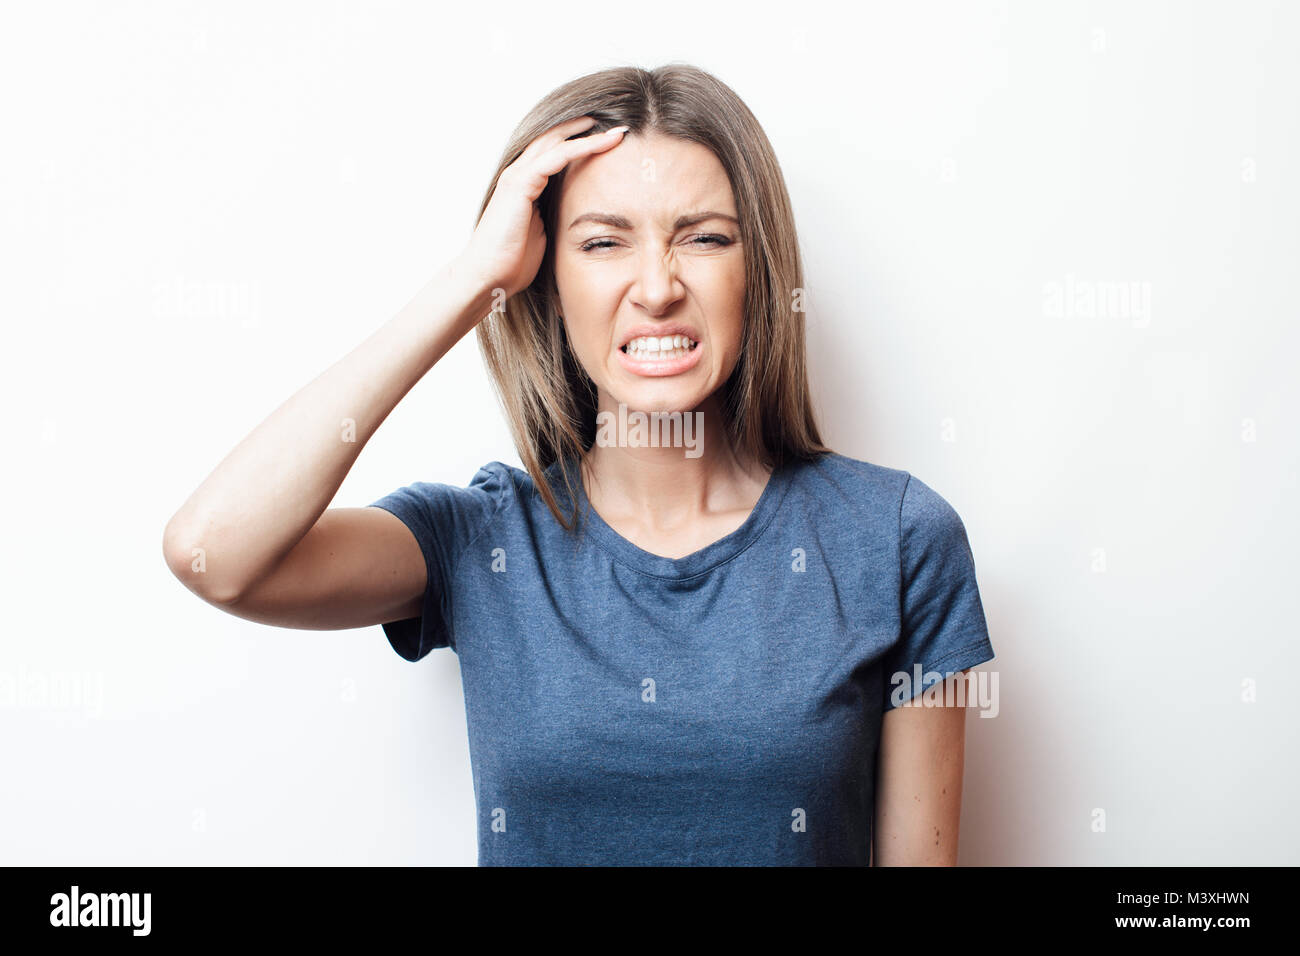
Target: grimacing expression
(651, 272)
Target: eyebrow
(620, 222)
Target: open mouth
(661, 349)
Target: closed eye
(709, 240)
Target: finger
(556, 134)
(559, 156)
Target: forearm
(269, 491)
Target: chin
(659, 397)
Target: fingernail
(616, 129)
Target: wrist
(469, 280)
(466, 285)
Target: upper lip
(658, 331)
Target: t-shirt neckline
(697, 562)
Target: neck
(664, 488)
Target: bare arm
(270, 491)
(918, 785)
(256, 539)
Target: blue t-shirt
(723, 708)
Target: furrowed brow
(615, 221)
(602, 218)
(694, 219)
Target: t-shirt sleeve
(446, 520)
(942, 618)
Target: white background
(203, 206)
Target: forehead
(647, 172)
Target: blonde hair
(548, 398)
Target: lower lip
(655, 368)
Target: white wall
(202, 206)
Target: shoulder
(498, 487)
(850, 481)
(499, 478)
(917, 511)
(924, 509)
(930, 529)
(495, 480)
(490, 488)
(515, 492)
(847, 500)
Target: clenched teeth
(659, 347)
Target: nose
(657, 287)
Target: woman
(687, 649)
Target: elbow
(189, 564)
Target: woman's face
(647, 250)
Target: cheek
(588, 336)
(582, 290)
(728, 307)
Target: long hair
(548, 398)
